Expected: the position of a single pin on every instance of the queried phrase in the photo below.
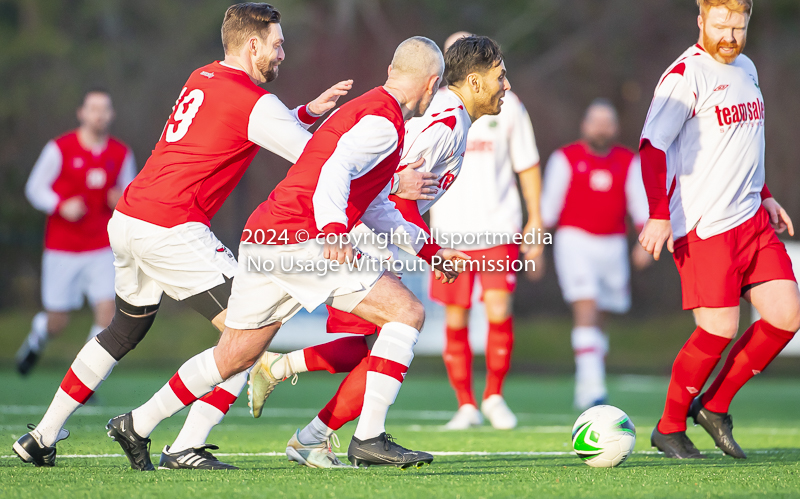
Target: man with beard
(160, 232)
(702, 151)
(588, 188)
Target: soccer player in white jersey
(702, 152)
(77, 181)
(589, 186)
(485, 201)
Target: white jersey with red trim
(485, 199)
(709, 119)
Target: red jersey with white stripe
(593, 192)
(216, 127)
(709, 119)
(343, 176)
(66, 169)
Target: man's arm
(275, 128)
(557, 176)
(39, 188)
(309, 114)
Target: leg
(458, 354)
(499, 345)
(590, 346)
(103, 314)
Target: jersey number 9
(185, 111)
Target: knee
(456, 317)
(128, 327)
(790, 319)
(412, 313)
(497, 312)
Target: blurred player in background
(77, 181)
(588, 188)
(162, 241)
(702, 154)
(486, 200)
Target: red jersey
(216, 127)
(66, 169)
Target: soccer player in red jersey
(160, 230)
(296, 253)
(702, 152)
(77, 181)
(589, 187)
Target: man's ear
(389, 71)
(433, 84)
(700, 21)
(474, 81)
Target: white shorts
(67, 277)
(181, 261)
(592, 267)
(275, 282)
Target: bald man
(588, 188)
(343, 176)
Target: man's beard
(267, 69)
(713, 49)
(600, 143)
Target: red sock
(346, 405)
(498, 355)
(219, 398)
(338, 356)
(691, 370)
(757, 347)
(458, 362)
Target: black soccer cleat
(196, 458)
(120, 429)
(676, 445)
(383, 451)
(719, 425)
(26, 358)
(30, 449)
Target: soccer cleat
(196, 458)
(675, 445)
(27, 357)
(383, 451)
(261, 382)
(719, 425)
(466, 417)
(120, 429)
(30, 449)
(319, 455)
(498, 413)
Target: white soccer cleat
(466, 417)
(498, 413)
(261, 382)
(318, 455)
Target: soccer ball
(603, 436)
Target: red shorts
(714, 271)
(459, 293)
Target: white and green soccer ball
(603, 436)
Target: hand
(640, 258)
(778, 218)
(653, 236)
(413, 184)
(532, 251)
(341, 250)
(327, 100)
(72, 209)
(112, 198)
(447, 273)
(541, 266)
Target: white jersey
(709, 118)
(485, 199)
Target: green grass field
(532, 461)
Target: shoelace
(333, 439)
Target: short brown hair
(470, 54)
(744, 6)
(243, 20)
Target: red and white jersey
(709, 119)
(343, 176)
(440, 137)
(216, 127)
(591, 192)
(66, 169)
(485, 198)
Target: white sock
(395, 343)
(89, 369)
(37, 337)
(289, 365)
(204, 416)
(94, 331)
(590, 346)
(315, 432)
(196, 377)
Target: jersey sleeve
(635, 194)
(358, 150)
(275, 128)
(128, 171)
(435, 145)
(522, 141)
(557, 176)
(39, 188)
(673, 104)
(304, 116)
